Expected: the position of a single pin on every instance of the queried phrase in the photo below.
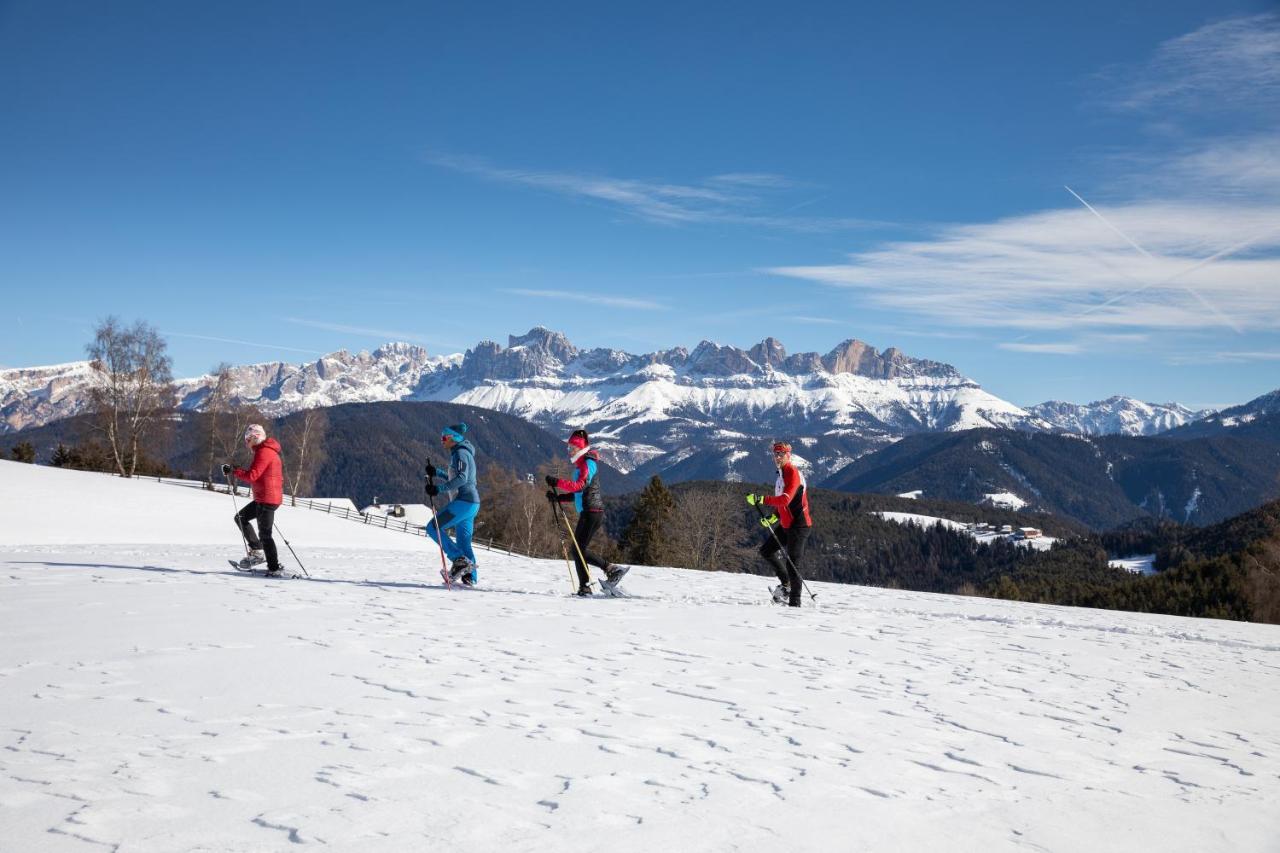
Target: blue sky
(279, 180)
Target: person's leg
(582, 533)
(589, 523)
(250, 511)
(796, 537)
(442, 521)
(463, 531)
(771, 552)
(266, 521)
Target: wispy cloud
(383, 335)
(1223, 357)
(589, 298)
(1228, 64)
(1048, 348)
(826, 321)
(1061, 268)
(240, 343)
(735, 198)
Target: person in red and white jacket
(789, 525)
(266, 476)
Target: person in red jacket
(790, 524)
(266, 477)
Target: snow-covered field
(152, 699)
(1040, 543)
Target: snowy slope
(1116, 416)
(153, 700)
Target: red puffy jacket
(265, 474)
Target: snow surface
(1005, 500)
(152, 699)
(1143, 564)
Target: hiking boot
(781, 594)
(614, 573)
(254, 558)
(584, 591)
(460, 565)
(275, 571)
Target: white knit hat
(255, 434)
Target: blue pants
(461, 516)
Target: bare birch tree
(132, 387)
(215, 412)
(304, 450)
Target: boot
(781, 594)
(255, 558)
(460, 565)
(613, 573)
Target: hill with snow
(154, 700)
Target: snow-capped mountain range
(1116, 416)
(700, 413)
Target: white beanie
(255, 434)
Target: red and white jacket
(789, 499)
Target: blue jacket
(462, 474)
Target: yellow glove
(755, 500)
(769, 522)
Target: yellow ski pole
(564, 550)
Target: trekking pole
(291, 551)
(812, 595)
(444, 569)
(564, 546)
(564, 516)
(232, 495)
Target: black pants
(265, 514)
(793, 539)
(588, 524)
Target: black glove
(433, 489)
(226, 469)
(432, 471)
(551, 481)
(552, 496)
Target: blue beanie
(455, 432)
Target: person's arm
(462, 462)
(790, 485)
(584, 477)
(257, 469)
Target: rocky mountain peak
(712, 359)
(539, 352)
(768, 353)
(545, 340)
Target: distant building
(1006, 528)
(1029, 533)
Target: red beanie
(781, 447)
(578, 440)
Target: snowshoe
(781, 595)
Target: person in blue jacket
(584, 491)
(459, 513)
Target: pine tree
(645, 538)
(23, 452)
